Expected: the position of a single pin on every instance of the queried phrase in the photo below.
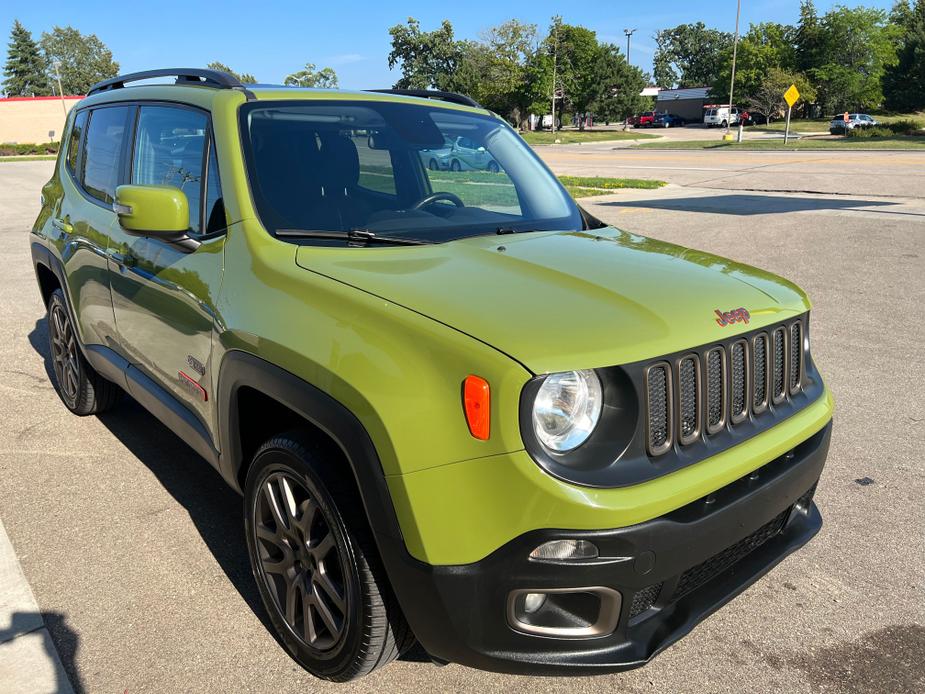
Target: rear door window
(170, 145)
(103, 152)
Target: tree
(904, 82)
(494, 70)
(855, 48)
(243, 78)
(580, 56)
(569, 55)
(767, 98)
(25, 68)
(428, 60)
(765, 47)
(325, 78)
(808, 38)
(620, 86)
(689, 55)
(82, 60)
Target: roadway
(134, 547)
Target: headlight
(566, 409)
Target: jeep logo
(737, 315)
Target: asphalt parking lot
(134, 548)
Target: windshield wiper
(355, 236)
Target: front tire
(315, 562)
(82, 390)
(455, 165)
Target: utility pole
(555, 57)
(629, 35)
(735, 46)
(56, 65)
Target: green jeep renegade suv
(460, 409)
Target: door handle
(124, 259)
(61, 225)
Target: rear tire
(455, 165)
(315, 562)
(82, 390)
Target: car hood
(556, 301)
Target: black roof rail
(185, 75)
(452, 97)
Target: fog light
(558, 550)
(533, 602)
(565, 613)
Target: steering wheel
(437, 197)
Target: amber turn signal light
(477, 403)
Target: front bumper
(672, 572)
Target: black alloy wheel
(65, 359)
(299, 561)
(82, 390)
(316, 563)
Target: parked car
(644, 120)
(466, 414)
(668, 120)
(459, 154)
(838, 125)
(722, 116)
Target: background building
(33, 119)
(686, 103)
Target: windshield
(396, 169)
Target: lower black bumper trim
(685, 565)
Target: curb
(29, 662)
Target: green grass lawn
(796, 126)
(853, 143)
(30, 157)
(567, 137)
(587, 186)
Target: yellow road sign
(791, 95)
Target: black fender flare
(409, 578)
(241, 369)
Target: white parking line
(29, 663)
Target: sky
(272, 39)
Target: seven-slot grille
(700, 393)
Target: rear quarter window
(74, 139)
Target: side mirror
(152, 210)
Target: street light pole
(735, 46)
(629, 34)
(56, 65)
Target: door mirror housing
(152, 210)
